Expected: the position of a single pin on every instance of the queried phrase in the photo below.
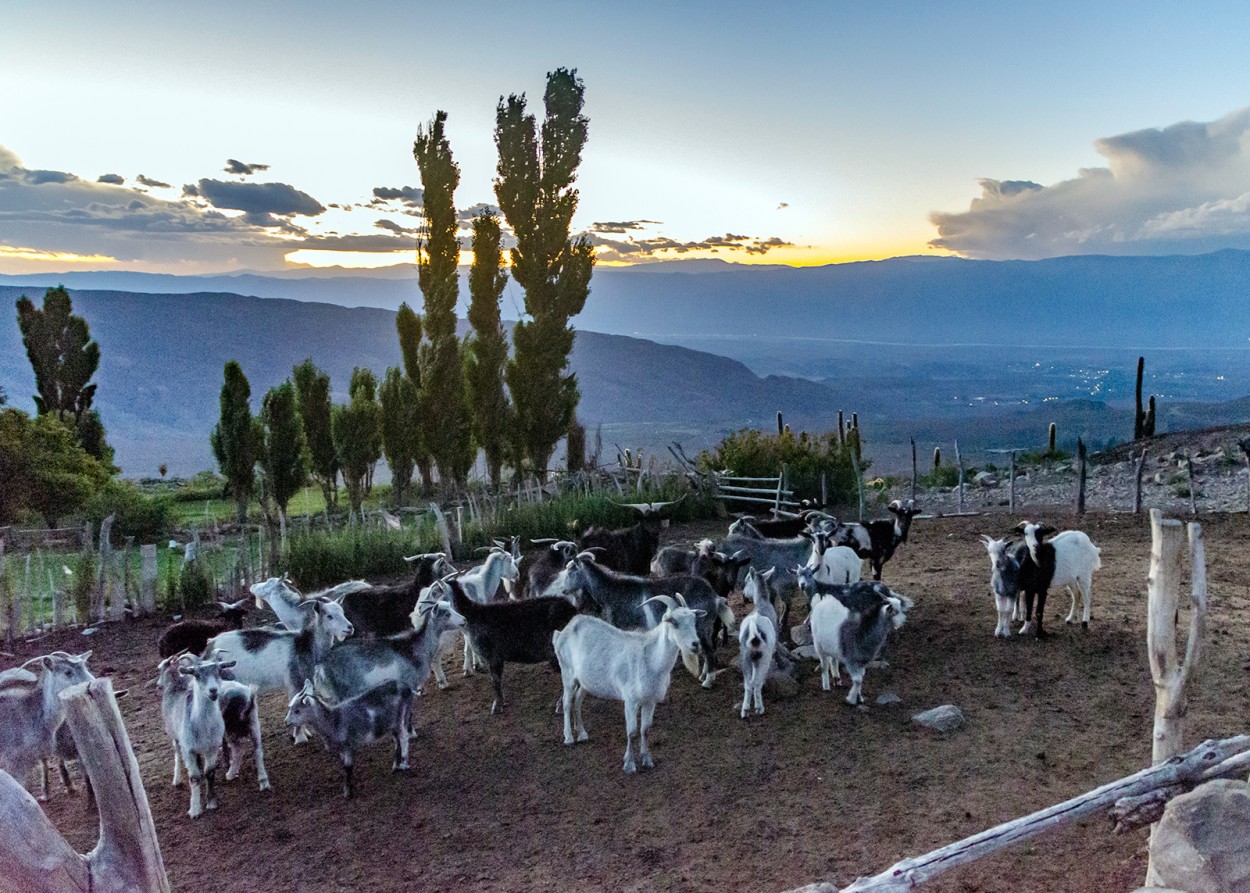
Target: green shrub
(204, 485)
(146, 518)
(944, 476)
(317, 558)
(752, 453)
(1042, 457)
(195, 584)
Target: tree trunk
(1137, 470)
(1139, 419)
(34, 858)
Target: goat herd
(612, 612)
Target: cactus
(1050, 439)
(937, 458)
(1148, 423)
(780, 426)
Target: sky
(215, 137)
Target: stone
(888, 698)
(946, 718)
(1203, 840)
(985, 479)
(780, 686)
(801, 634)
(806, 652)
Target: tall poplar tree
(399, 409)
(444, 413)
(408, 325)
(357, 437)
(234, 439)
(312, 388)
(486, 351)
(285, 456)
(534, 188)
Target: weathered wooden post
(102, 572)
(913, 470)
(1172, 679)
(959, 461)
(5, 595)
(1244, 446)
(1080, 476)
(1011, 497)
(1189, 468)
(35, 858)
(1137, 470)
(147, 578)
(25, 598)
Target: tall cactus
(1050, 439)
(937, 458)
(781, 428)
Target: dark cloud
(1178, 189)
(242, 168)
(467, 214)
(39, 178)
(620, 227)
(150, 183)
(394, 227)
(637, 249)
(111, 179)
(409, 195)
(256, 198)
(370, 242)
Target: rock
(780, 686)
(946, 718)
(888, 698)
(1203, 839)
(806, 652)
(801, 634)
(986, 480)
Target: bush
(195, 584)
(752, 453)
(945, 476)
(146, 518)
(202, 486)
(318, 558)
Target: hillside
(162, 357)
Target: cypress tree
(312, 388)
(535, 191)
(234, 439)
(357, 435)
(399, 421)
(445, 417)
(487, 349)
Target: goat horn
(665, 600)
(543, 541)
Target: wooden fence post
(1141, 463)
(913, 469)
(102, 572)
(1189, 467)
(6, 601)
(147, 578)
(959, 462)
(1080, 476)
(1011, 505)
(1172, 679)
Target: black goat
(192, 635)
(628, 549)
(878, 539)
(385, 610)
(540, 568)
(511, 632)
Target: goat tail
(725, 614)
(1097, 558)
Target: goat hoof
(583, 736)
(759, 711)
(264, 785)
(742, 714)
(630, 769)
(231, 776)
(212, 804)
(495, 708)
(647, 762)
(1084, 624)
(568, 742)
(400, 767)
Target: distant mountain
(162, 357)
(1132, 303)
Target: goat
(356, 666)
(780, 528)
(634, 667)
(720, 570)
(384, 610)
(834, 564)
(194, 723)
(780, 553)
(481, 585)
(758, 638)
(850, 630)
(540, 570)
(621, 600)
(757, 589)
(628, 549)
(877, 540)
(517, 632)
(380, 712)
(32, 715)
(271, 659)
(1034, 567)
(241, 715)
(193, 635)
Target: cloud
(638, 249)
(409, 195)
(620, 227)
(394, 227)
(781, 206)
(242, 168)
(111, 179)
(281, 199)
(1178, 189)
(467, 214)
(150, 183)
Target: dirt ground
(814, 790)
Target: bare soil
(814, 790)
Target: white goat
(634, 667)
(194, 722)
(836, 564)
(31, 712)
(758, 638)
(481, 584)
(850, 630)
(1068, 560)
